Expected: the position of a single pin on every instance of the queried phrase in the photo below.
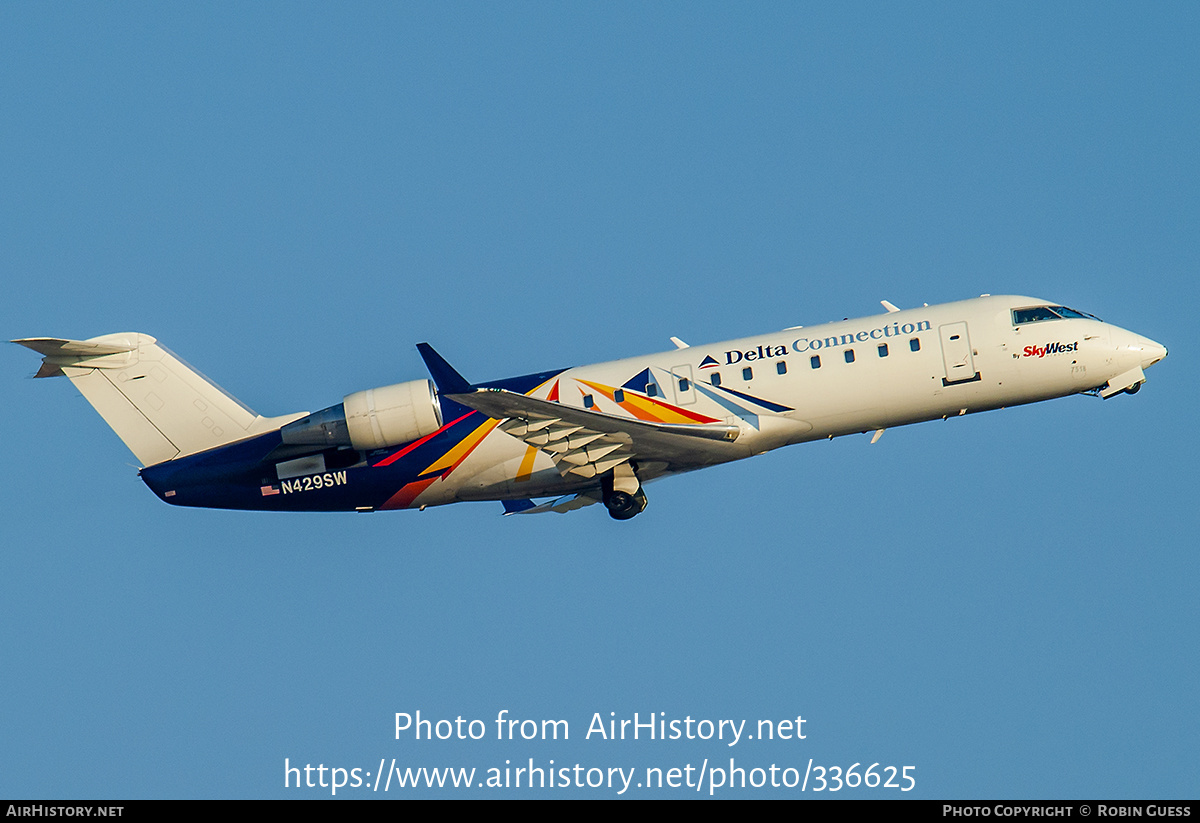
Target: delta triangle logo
(708, 362)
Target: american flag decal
(267, 491)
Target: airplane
(595, 433)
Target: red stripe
(390, 459)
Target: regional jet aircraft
(595, 433)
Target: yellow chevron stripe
(526, 469)
(455, 456)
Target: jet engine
(371, 419)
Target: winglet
(447, 379)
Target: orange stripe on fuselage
(645, 408)
(407, 494)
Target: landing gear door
(685, 389)
(956, 354)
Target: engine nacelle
(392, 415)
(371, 419)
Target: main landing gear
(623, 495)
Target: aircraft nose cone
(1150, 351)
(1154, 352)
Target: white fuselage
(852, 376)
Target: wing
(588, 443)
(562, 505)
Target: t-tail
(157, 404)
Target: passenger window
(747, 374)
(715, 378)
(815, 361)
(587, 401)
(619, 395)
(883, 349)
(849, 355)
(684, 384)
(915, 344)
(781, 367)
(651, 390)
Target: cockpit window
(1063, 311)
(1039, 313)
(1034, 315)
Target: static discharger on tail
(595, 433)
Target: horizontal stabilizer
(57, 346)
(108, 352)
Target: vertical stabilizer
(156, 403)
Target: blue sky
(291, 195)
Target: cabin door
(956, 354)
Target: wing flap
(560, 505)
(589, 443)
(539, 414)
